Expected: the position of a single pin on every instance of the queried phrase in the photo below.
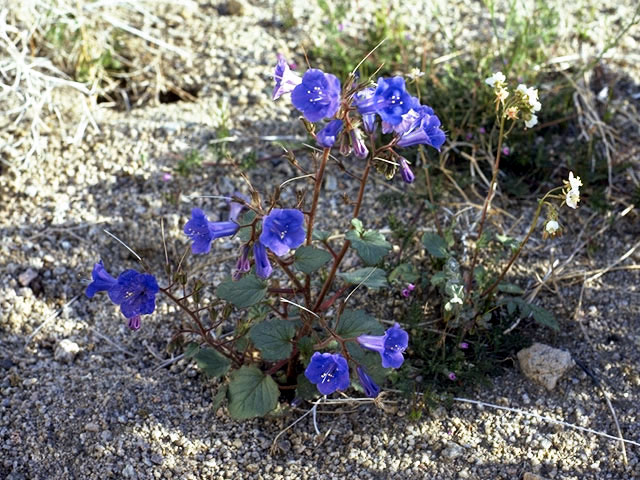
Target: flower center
(328, 375)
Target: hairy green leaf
(273, 338)
(251, 393)
(435, 245)
(211, 362)
(353, 323)
(247, 291)
(371, 277)
(309, 259)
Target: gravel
(81, 396)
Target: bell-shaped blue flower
(329, 372)
(202, 232)
(328, 135)
(282, 230)
(427, 132)
(235, 208)
(263, 266)
(134, 323)
(318, 96)
(390, 100)
(364, 98)
(285, 79)
(390, 346)
(370, 388)
(405, 171)
(242, 265)
(135, 292)
(102, 281)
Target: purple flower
(390, 346)
(135, 292)
(411, 287)
(405, 292)
(263, 266)
(236, 207)
(463, 345)
(328, 135)
(506, 151)
(390, 100)
(409, 120)
(242, 265)
(359, 148)
(166, 177)
(318, 96)
(329, 372)
(405, 171)
(282, 230)
(427, 131)
(364, 97)
(202, 232)
(286, 80)
(370, 388)
(102, 281)
(134, 323)
(452, 376)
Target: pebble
(26, 277)
(544, 364)
(66, 351)
(91, 427)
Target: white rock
(544, 364)
(26, 277)
(66, 351)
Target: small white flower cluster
(572, 193)
(497, 82)
(526, 99)
(529, 103)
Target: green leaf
(211, 362)
(191, 349)
(544, 317)
(370, 245)
(273, 338)
(405, 273)
(247, 291)
(435, 245)
(305, 345)
(371, 277)
(321, 235)
(305, 389)
(507, 241)
(510, 288)
(309, 259)
(219, 397)
(353, 323)
(251, 393)
(357, 225)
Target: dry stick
(316, 193)
(485, 207)
(544, 418)
(345, 247)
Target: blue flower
(329, 372)
(370, 388)
(135, 292)
(236, 207)
(282, 230)
(390, 100)
(409, 120)
(328, 135)
(263, 266)
(390, 346)
(426, 131)
(318, 96)
(405, 171)
(202, 232)
(364, 97)
(286, 80)
(102, 281)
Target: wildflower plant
(287, 302)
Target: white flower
(530, 95)
(497, 77)
(575, 183)
(572, 198)
(531, 122)
(414, 74)
(502, 94)
(552, 227)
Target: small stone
(545, 443)
(232, 7)
(129, 472)
(91, 427)
(452, 451)
(330, 182)
(544, 364)
(26, 277)
(106, 435)
(66, 351)
(157, 459)
(237, 443)
(532, 476)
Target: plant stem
(316, 194)
(485, 207)
(516, 254)
(345, 247)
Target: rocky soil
(81, 396)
